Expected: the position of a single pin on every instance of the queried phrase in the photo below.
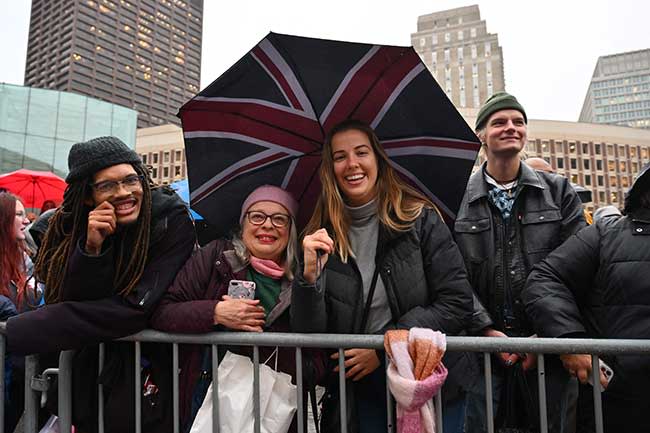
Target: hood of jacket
(163, 201)
(39, 227)
(640, 185)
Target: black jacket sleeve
(560, 283)
(74, 324)
(308, 308)
(444, 271)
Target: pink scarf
(415, 375)
(267, 267)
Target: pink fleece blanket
(415, 375)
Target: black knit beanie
(88, 157)
(497, 102)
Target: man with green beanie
(510, 218)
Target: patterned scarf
(503, 200)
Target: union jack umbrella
(264, 121)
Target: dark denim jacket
(498, 254)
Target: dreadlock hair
(12, 251)
(398, 204)
(70, 223)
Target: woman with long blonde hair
(377, 256)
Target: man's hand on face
(101, 224)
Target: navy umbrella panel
(265, 119)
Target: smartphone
(241, 289)
(607, 372)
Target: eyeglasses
(130, 183)
(278, 220)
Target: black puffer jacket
(425, 282)
(500, 256)
(598, 284)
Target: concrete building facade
(602, 158)
(141, 54)
(619, 92)
(163, 149)
(462, 55)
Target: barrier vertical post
(301, 410)
(215, 388)
(489, 411)
(541, 386)
(598, 402)
(31, 399)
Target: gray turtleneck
(364, 231)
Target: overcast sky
(550, 47)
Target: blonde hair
(398, 204)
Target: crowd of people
(120, 255)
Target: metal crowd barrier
(486, 345)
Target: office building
(38, 126)
(141, 54)
(619, 92)
(163, 149)
(462, 55)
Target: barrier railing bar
(598, 403)
(342, 392)
(300, 414)
(454, 344)
(487, 361)
(100, 390)
(541, 387)
(65, 391)
(439, 423)
(3, 351)
(389, 402)
(215, 388)
(31, 406)
(175, 391)
(256, 390)
(138, 388)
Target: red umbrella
(34, 187)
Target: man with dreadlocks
(108, 256)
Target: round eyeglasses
(130, 183)
(278, 220)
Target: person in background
(596, 285)
(377, 256)
(47, 205)
(263, 251)
(510, 218)
(18, 294)
(111, 250)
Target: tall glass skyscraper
(142, 54)
(619, 92)
(38, 126)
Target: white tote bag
(277, 399)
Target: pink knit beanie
(270, 193)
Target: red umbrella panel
(34, 187)
(264, 121)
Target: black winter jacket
(598, 284)
(426, 286)
(500, 256)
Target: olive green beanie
(497, 102)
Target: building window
(447, 37)
(601, 197)
(155, 159)
(560, 163)
(447, 56)
(597, 149)
(610, 150)
(434, 39)
(624, 181)
(460, 54)
(574, 164)
(574, 178)
(488, 49)
(612, 181)
(614, 197)
(166, 157)
(473, 51)
(144, 158)
(611, 166)
(472, 32)
(558, 147)
(165, 172)
(601, 181)
(586, 163)
(154, 173)
(177, 170)
(599, 164)
(585, 148)
(422, 42)
(178, 155)
(460, 35)
(587, 180)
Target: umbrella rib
(288, 131)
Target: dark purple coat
(189, 304)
